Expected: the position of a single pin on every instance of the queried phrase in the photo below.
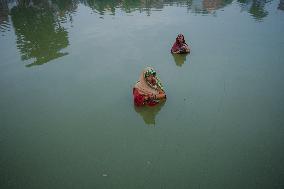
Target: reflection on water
(179, 59)
(281, 5)
(4, 19)
(208, 6)
(128, 6)
(255, 7)
(149, 113)
(39, 24)
(102, 6)
(42, 38)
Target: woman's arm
(186, 48)
(175, 52)
(160, 96)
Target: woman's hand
(150, 97)
(185, 48)
(176, 52)
(161, 91)
(161, 96)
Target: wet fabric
(143, 89)
(178, 46)
(158, 84)
(141, 99)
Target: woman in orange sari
(148, 90)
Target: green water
(67, 118)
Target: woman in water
(180, 46)
(148, 90)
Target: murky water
(67, 118)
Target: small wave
(4, 26)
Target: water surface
(67, 118)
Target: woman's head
(150, 75)
(149, 72)
(149, 82)
(180, 38)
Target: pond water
(67, 118)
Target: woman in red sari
(148, 90)
(180, 45)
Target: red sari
(178, 46)
(140, 99)
(144, 92)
